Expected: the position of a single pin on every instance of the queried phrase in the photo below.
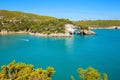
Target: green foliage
(91, 74)
(19, 21)
(21, 71)
(82, 26)
(99, 23)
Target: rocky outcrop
(86, 32)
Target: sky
(71, 9)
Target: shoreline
(66, 35)
(36, 34)
(51, 35)
(114, 27)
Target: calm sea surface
(101, 51)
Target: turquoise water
(101, 51)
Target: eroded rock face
(86, 32)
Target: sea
(100, 51)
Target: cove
(101, 51)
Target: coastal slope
(14, 21)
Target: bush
(22, 71)
(91, 74)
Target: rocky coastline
(83, 32)
(86, 32)
(51, 35)
(113, 27)
(4, 32)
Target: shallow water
(101, 51)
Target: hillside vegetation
(20, 21)
(98, 23)
(16, 21)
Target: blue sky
(72, 9)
